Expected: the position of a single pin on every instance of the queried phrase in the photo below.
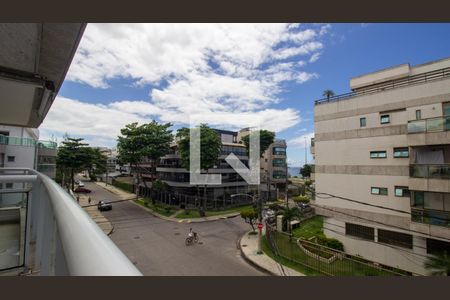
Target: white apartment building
(386, 145)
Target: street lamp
(259, 205)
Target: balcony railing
(47, 144)
(429, 125)
(430, 171)
(17, 141)
(61, 238)
(432, 217)
(389, 85)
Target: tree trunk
(72, 181)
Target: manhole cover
(177, 233)
(244, 245)
(137, 237)
(200, 243)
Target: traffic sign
(260, 225)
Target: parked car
(81, 190)
(80, 184)
(268, 213)
(102, 205)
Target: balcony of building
(430, 168)
(430, 213)
(45, 232)
(389, 85)
(432, 131)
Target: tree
(210, 149)
(290, 214)
(144, 143)
(306, 171)
(265, 139)
(439, 264)
(250, 216)
(97, 163)
(72, 157)
(328, 94)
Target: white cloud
(314, 57)
(229, 74)
(101, 124)
(299, 142)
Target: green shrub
(167, 208)
(335, 244)
(301, 199)
(308, 182)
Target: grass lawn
(285, 262)
(158, 208)
(310, 228)
(299, 261)
(193, 213)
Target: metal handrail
(389, 85)
(88, 251)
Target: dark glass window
(418, 114)
(364, 232)
(11, 158)
(384, 119)
(378, 154)
(437, 246)
(395, 238)
(401, 152)
(378, 191)
(401, 191)
(362, 122)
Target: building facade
(20, 148)
(382, 165)
(177, 178)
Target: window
(279, 151)
(401, 152)
(418, 114)
(401, 191)
(364, 232)
(437, 246)
(9, 185)
(379, 191)
(395, 238)
(11, 158)
(384, 119)
(362, 122)
(378, 154)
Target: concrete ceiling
(34, 59)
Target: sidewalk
(96, 215)
(125, 195)
(249, 245)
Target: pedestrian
(78, 199)
(89, 200)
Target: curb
(251, 262)
(179, 220)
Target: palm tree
(328, 94)
(439, 264)
(290, 214)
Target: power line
(377, 222)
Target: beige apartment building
(385, 147)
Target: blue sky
(225, 73)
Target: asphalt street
(157, 246)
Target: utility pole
(306, 160)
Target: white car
(80, 184)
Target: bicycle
(192, 239)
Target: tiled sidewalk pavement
(96, 215)
(249, 245)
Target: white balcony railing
(60, 237)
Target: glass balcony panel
(417, 126)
